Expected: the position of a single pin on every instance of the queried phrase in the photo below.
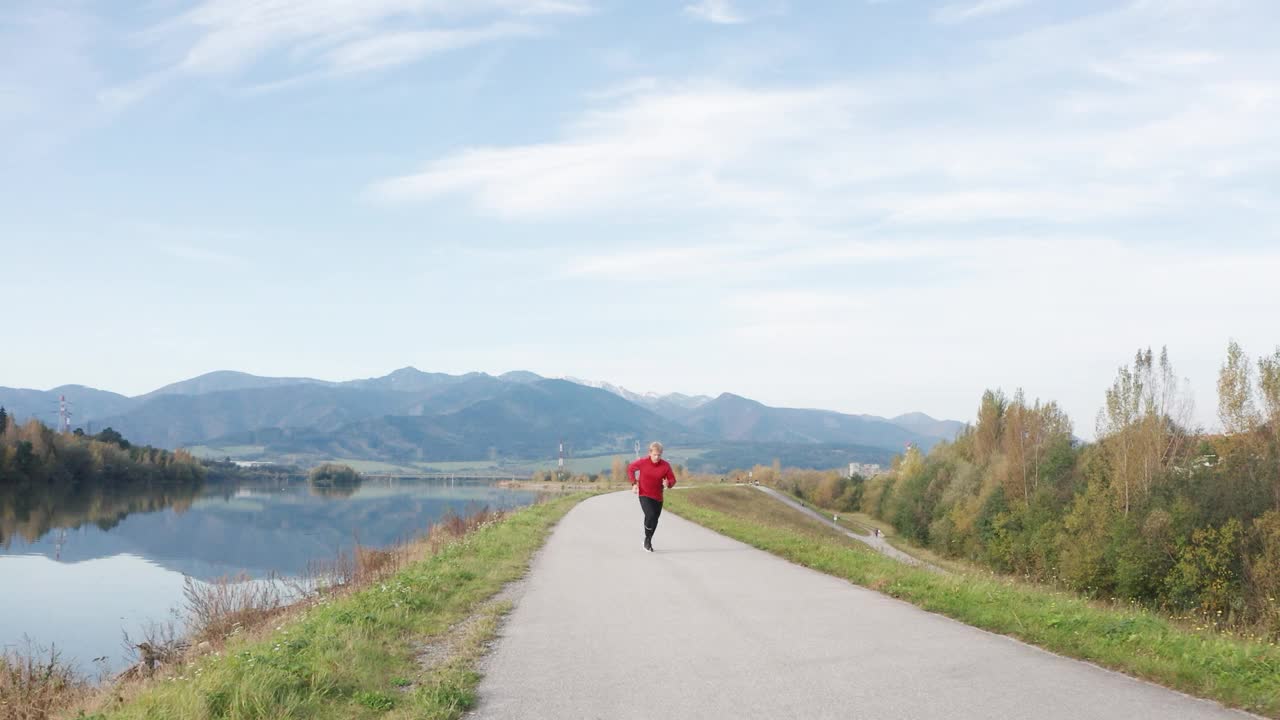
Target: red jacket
(651, 475)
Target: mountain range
(410, 416)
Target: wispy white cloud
(199, 255)
(960, 12)
(720, 12)
(675, 262)
(398, 48)
(231, 34)
(653, 149)
(314, 39)
(752, 254)
(794, 304)
(200, 245)
(1071, 150)
(735, 12)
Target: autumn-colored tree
(1143, 425)
(1235, 392)
(1050, 428)
(1153, 510)
(1027, 435)
(1269, 390)
(986, 434)
(1013, 442)
(1253, 413)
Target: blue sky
(873, 206)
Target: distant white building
(864, 469)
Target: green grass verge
(232, 451)
(356, 657)
(1237, 672)
(460, 466)
(373, 466)
(863, 524)
(846, 520)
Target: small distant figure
(835, 518)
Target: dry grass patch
(750, 504)
(35, 683)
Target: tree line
(33, 453)
(50, 479)
(1153, 510)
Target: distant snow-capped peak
(645, 398)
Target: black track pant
(652, 509)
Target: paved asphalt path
(708, 627)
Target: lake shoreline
(131, 551)
(434, 606)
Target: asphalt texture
(707, 627)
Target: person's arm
(671, 475)
(631, 476)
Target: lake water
(77, 572)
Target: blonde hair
(655, 444)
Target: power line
(64, 414)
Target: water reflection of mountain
(254, 529)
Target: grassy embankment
(1239, 672)
(397, 649)
(853, 522)
(857, 520)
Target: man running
(649, 476)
